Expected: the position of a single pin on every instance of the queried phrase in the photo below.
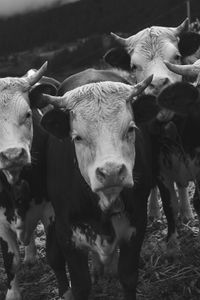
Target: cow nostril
(101, 174)
(122, 171)
(166, 81)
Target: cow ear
(57, 123)
(118, 57)
(35, 95)
(145, 108)
(181, 98)
(189, 43)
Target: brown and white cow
(183, 99)
(91, 166)
(23, 186)
(145, 53)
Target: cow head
(16, 122)
(99, 118)
(145, 53)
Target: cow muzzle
(110, 179)
(12, 158)
(157, 85)
(112, 174)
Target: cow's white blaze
(148, 50)
(16, 130)
(103, 131)
(15, 116)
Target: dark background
(76, 35)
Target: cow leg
(77, 261)
(169, 200)
(97, 267)
(196, 203)
(185, 207)
(129, 260)
(30, 253)
(11, 258)
(57, 261)
(154, 209)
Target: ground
(161, 278)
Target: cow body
(96, 216)
(183, 98)
(22, 206)
(23, 200)
(144, 53)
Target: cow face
(16, 122)
(147, 51)
(16, 125)
(103, 130)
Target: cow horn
(185, 70)
(56, 101)
(34, 77)
(140, 87)
(119, 39)
(182, 27)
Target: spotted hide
(23, 200)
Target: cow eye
(130, 130)
(177, 57)
(77, 138)
(28, 114)
(133, 67)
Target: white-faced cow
(22, 185)
(99, 176)
(145, 53)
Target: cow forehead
(151, 39)
(101, 101)
(13, 84)
(11, 92)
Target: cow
(22, 184)
(183, 99)
(142, 54)
(99, 176)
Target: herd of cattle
(85, 155)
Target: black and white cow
(184, 100)
(23, 199)
(99, 176)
